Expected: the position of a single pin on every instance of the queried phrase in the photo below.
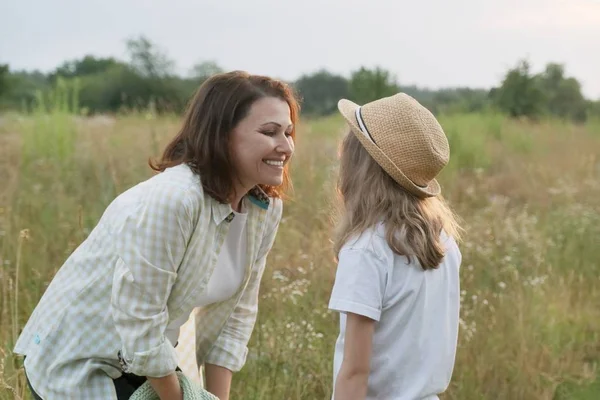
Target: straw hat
(404, 138)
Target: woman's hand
(167, 387)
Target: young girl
(397, 282)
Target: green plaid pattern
(145, 264)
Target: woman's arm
(352, 379)
(167, 387)
(218, 380)
(150, 245)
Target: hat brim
(348, 110)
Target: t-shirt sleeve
(359, 283)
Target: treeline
(146, 79)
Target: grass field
(529, 196)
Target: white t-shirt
(415, 338)
(227, 276)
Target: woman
(194, 237)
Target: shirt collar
(221, 211)
(255, 196)
(259, 198)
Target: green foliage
(523, 94)
(88, 65)
(577, 391)
(148, 79)
(321, 92)
(205, 70)
(147, 59)
(4, 79)
(563, 95)
(50, 134)
(121, 88)
(467, 137)
(520, 93)
(367, 85)
(593, 108)
(21, 90)
(460, 100)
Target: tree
(88, 65)
(367, 85)
(4, 78)
(563, 95)
(520, 93)
(147, 60)
(593, 108)
(321, 91)
(204, 70)
(549, 92)
(22, 88)
(459, 100)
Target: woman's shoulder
(176, 187)
(179, 182)
(179, 177)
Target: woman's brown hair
(220, 103)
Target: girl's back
(417, 312)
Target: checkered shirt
(145, 263)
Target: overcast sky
(431, 43)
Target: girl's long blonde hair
(368, 196)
